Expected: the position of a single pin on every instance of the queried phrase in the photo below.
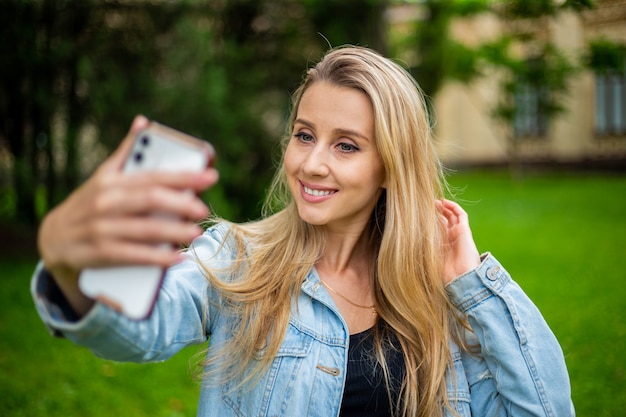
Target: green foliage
(606, 56)
(541, 75)
(69, 62)
(328, 17)
(532, 9)
(538, 78)
(440, 57)
(548, 71)
(222, 71)
(465, 66)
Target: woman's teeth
(317, 193)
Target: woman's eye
(347, 147)
(304, 137)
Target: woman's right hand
(107, 221)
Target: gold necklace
(372, 307)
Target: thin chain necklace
(372, 307)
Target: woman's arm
(520, 370)
(184, 311)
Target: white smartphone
(133, 290)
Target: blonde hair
(405, 239)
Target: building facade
(590, 130)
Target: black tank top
(365, 393)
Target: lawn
(44, 376)
(560, 236)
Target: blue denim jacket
(520, 371)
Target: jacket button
(492, 273)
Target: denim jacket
(519, 372)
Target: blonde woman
(361, 294)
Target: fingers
(120, 253)
(461, 253)
(451, 211)
(151, 241)
(117, 195)
(139, 200)
(123, 220)
(106, 241)
(449, 205)
(150, 230)
(196, 181)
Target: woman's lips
(316, 194)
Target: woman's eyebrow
(304, 122)
(350, 132)
(339, 131)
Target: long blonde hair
(405, 235)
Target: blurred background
(528, 103)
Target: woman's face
(332, 164)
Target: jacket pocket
(275, 388)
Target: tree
(538, 77)
(219, 70)
(437, 56)
(534, 83)
(25, 74)
(57, 77)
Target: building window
(610, 109)
(530, 118)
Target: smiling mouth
(317, 193)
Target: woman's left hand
(461, 253)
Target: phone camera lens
(138, 157)
(145, 140)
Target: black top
(365, 394)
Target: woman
(362, 294)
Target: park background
(538, 161)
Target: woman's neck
(344, 252)
(345, 272)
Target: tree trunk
(17, 80)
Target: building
(592, 128)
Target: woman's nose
(316, 162)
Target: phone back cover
(130, 289)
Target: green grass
(44, 376)
(560, 236)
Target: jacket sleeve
(182, 314)
(520, 370)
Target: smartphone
(133, 290)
